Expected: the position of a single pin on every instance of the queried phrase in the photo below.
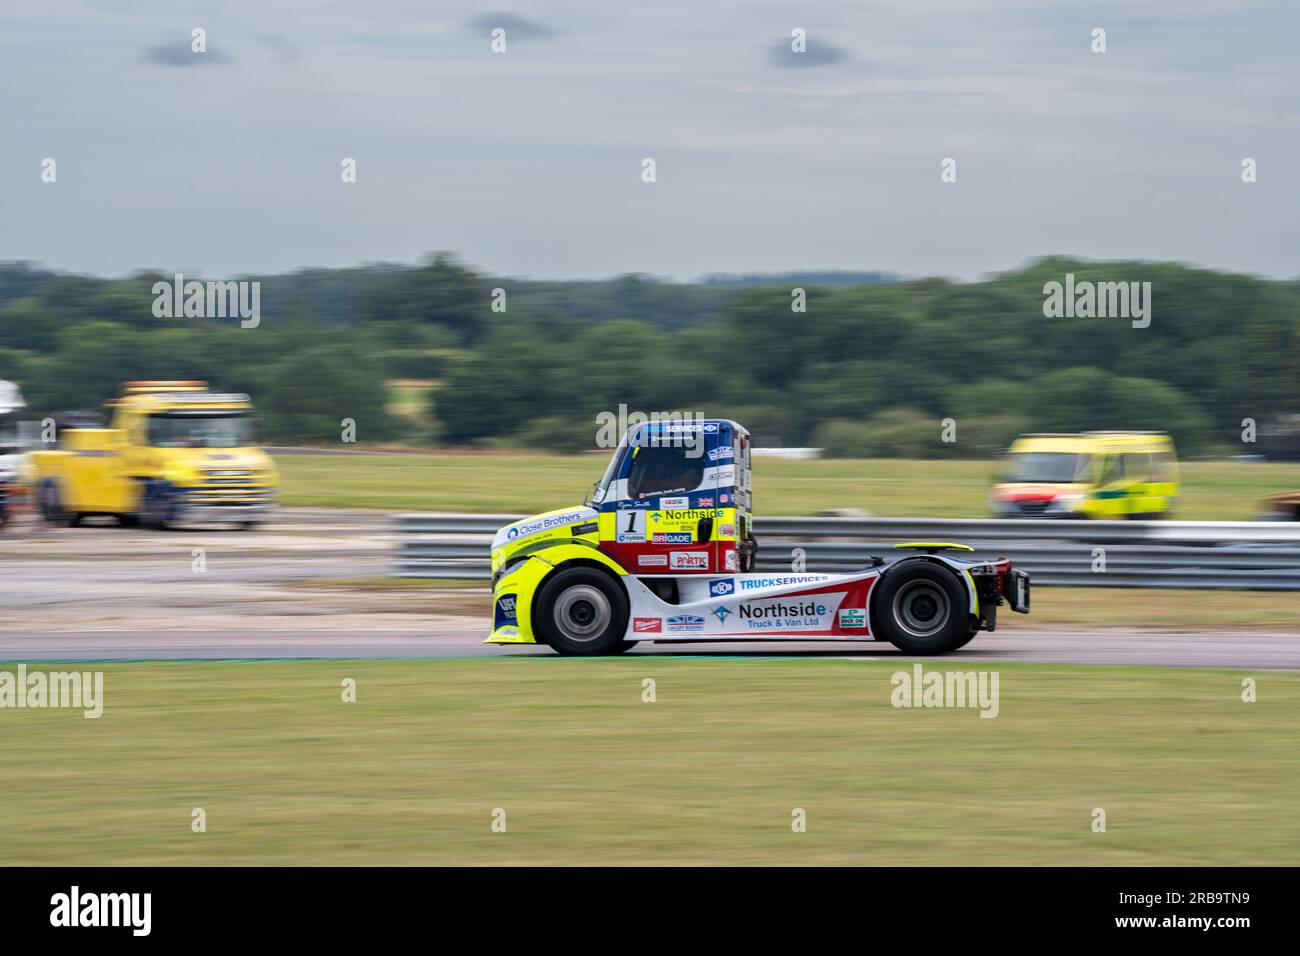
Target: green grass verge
(710, 773)
(526, 484)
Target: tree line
(864, 369)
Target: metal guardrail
(1240, 555)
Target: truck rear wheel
(582, 611)
(920, 608)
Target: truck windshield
(602, 487)
(1046, 466)
(201, 430)
(663, 470)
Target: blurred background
(417, 357)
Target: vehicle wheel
(970, 636)
(155, 507)
(51, 505)
(920, 608)
(582, 611)
(128, 520)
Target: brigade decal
(672, 537)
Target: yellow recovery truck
(175, 452)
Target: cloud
(180, 55)
(516, 27)
(818, 53)
(281, 47)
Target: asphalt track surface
(1113, 646)
(298, 590)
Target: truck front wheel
(582, 611)
(155, 504)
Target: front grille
(217, 493)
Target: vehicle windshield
(1046, 466)
(201, 430)
(602, 486)
(664, 470)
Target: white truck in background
(11, 447)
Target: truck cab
(676, 499)
(175, 451)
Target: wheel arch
(531, 571)
(607, 569)
(957, 571)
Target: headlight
(1069, 502)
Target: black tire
(154, 507)
(921, 608)
(970, 636)
(52, 505)
(128, 520)
(582, 612)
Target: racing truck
(664, 551)
(175, 452)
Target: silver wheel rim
(921, 608)
(582, 613)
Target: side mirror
(704, 531)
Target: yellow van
(1108, 475)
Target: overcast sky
(528, 163)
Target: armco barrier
(1243, 555)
